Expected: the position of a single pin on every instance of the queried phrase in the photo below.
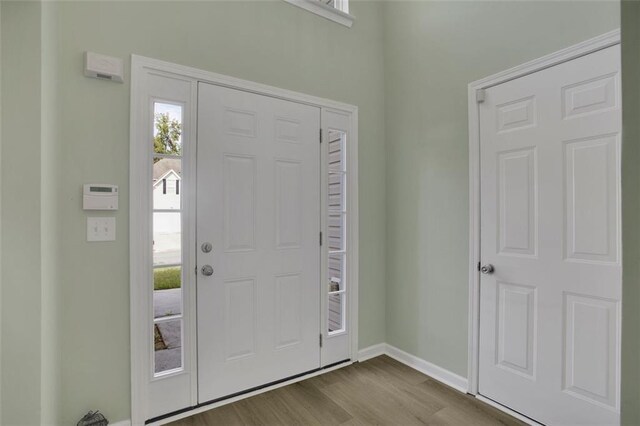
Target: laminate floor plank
(407, 393)
(371, 405)
(225, 415)
(289, 412)
(388, 392)
(379, 391)
(321, 407)
(256, 411)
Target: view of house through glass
(167, 237)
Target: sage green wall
(1, 213)
(432, 51)
(30, 381)
(269, 42)
(630, 213)
(65, 303)
(20, 246)
(52, 241)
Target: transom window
(341, 5)
(334, 10)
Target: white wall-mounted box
(100, 197)
(103, 67)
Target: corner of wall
(20, 221)
(386, 86)
(630, 409)
(382, 9)
(50, 234)
(1, 211)
(29, 384)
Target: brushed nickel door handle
(487, 269)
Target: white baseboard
(440, 374)
(453, 380)
(372, 351)
(445, 376)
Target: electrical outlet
(101, 229)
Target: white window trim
(326, 11)
(140, 308)
(335, 343)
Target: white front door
(550, 185)
(258, 205)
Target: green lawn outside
(166, 278)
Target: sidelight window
(168, 322)
(336, 232)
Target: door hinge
(321, 238)
(480, 95)
(320, 339)
(321, 135)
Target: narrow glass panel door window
(336, 306)
(168, 322)
(336, 233)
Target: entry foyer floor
(380, 391)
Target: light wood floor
(380, 391)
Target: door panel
(239, 203)
(550, 224)
(590, 348)
(258, 204)
(516, 327)
(591, 199)
(518, 202)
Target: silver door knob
(487, 269)
(206, 247)
(207, 270)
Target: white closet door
(258, 205)
(550, 185)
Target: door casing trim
(140, 311)
(603, 41)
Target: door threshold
(507, 410)
(218, 402)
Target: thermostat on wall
(100, 197)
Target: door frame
(475, 97)
(140, 308)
